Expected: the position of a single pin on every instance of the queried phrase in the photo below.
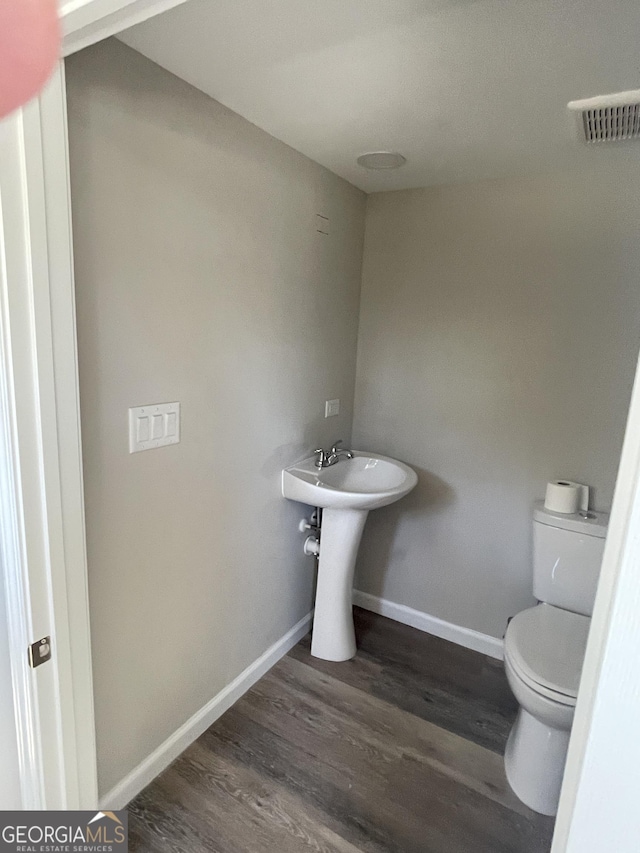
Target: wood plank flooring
(398, 750)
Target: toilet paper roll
(566, 496)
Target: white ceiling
(465, 89)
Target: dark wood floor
(397, 750)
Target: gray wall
(498, 339)
(200, 278)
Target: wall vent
(608, 118)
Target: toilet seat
(536, 687)
(545, 647)
(540, 689)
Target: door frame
(42, 507)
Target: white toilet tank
(567, 554)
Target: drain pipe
(311, 545)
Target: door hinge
(40, 652)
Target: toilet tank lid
(595, 525)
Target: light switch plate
(331, 408)
(154, 426)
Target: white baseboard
(483, 643)
(161, 758)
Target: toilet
(544, 649)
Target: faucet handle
(337, 445)
(321, 454)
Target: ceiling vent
(608, 118)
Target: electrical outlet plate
(331, 408)
(322, 224)
(154, 426)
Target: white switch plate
(154, 426)
(331, 408)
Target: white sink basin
(366, 482)
(346, 492)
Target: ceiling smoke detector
(381, 160)
(608, 118)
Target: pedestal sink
(346, 491)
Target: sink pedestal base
(333, 635)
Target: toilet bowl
(544, 649)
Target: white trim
(161, 758)
(27, 380)
(85, 22)
(466, 637)
(46, 574)
(73, 596)
(13, 550)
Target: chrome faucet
(327, 458)
(322, 457)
